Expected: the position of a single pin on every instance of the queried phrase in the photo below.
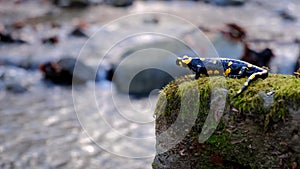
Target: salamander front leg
(197, 75)
(200, 70)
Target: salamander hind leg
(240, 74)
(254, 76)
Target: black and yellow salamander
(228, 67)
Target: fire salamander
(228, 67)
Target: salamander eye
(187, 60)
(179, 62)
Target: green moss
(232, 140)
(285, 87)
(153, 165)
(220, 141)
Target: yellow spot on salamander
(240, 72)
(246, 84)
(252, 77)
(227, 72)
(216, 72)
(185, 56)
(209, 72)
(239, 91)
(249, 65)
(180, 64)
(229, 63)
(202, 59)
(214, 62)
(187, 60)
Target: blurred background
(79, 78)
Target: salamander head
(183, 62)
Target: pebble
(120, 3)
(51, 40)
(7, 38)
(226, 2)
(285, 15)
(78, 32)
(64, 71)
(71, 3)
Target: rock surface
(246, 134)
(148, 67)
(68, 71)
(120, 3)
(226, 2)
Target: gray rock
(72, 3)
(120, 3)
(16, 88)
(226, 2)
(81, 72)
(241, 139)
(286, 15)
(148, 67)
(68, 71)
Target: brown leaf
(216, 159)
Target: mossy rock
(258, 129)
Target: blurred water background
(39, 127)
